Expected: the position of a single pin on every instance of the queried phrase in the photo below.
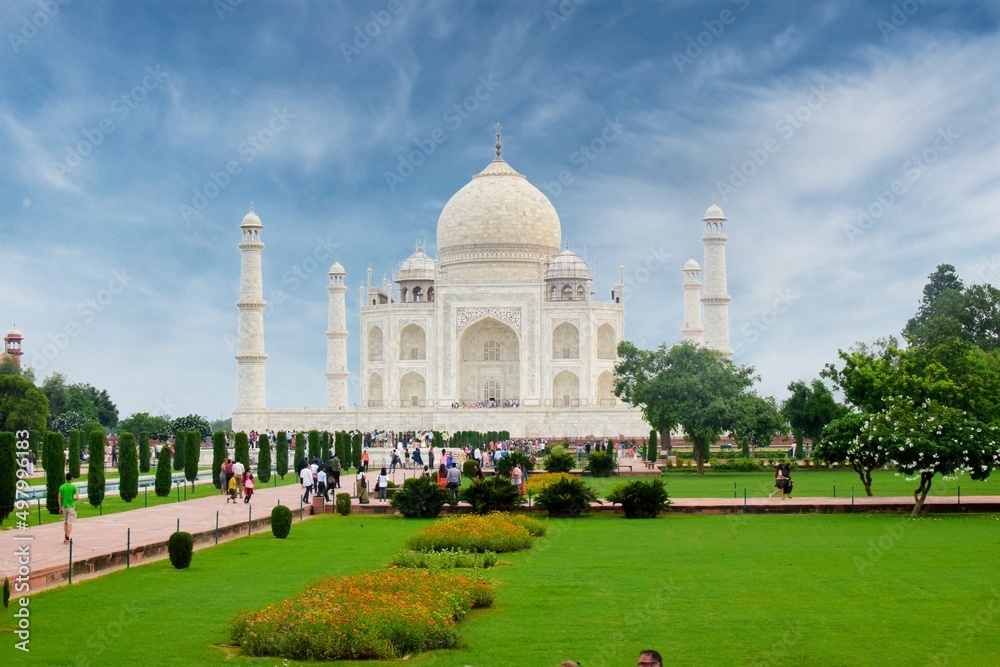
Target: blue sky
(853, 146)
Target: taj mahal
(502, 331)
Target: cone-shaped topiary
(74, 454)
(264, 459)
(300, 451)
(180, 437)
(356, 450)
(163, 480)
(192, 455)
(218, 455)
(281, 521)
(128, 467)
(281, 455)
(652, 448)
(55, 470)
(95, 467)
(241, 450)
(144, 453)
(313, 444)
(180, 546)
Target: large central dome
(498, 219)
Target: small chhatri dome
(714, 212)
(692, 265)
(567, 264)
(418, 266)
(14, 333)
(337, 268)
(251, 219)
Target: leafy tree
(95, 467)
(324, 446)
(808, 410)
(857, 439)
(944, 282)
(241, 449)
(23, 406)
(9, 366)
(54, 388)
(218, 455)
(192, 423)
(144, 452)
(686, 386)
(55, 470)
(128, 467)
(758, 421)
(8, 472)
(222, 425)
(143, 422)
(95, 403)
(163, 475)
(70, 420)
(192, 455)
(264, 459)
(74, 454)
(281, 455)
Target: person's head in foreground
(650, 658)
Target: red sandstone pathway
(104, 535)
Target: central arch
(489, 362)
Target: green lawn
(704, 590)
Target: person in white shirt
(383, 484)
(238, 471)
(321, 488)
(306, 476)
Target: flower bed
(493, 532)
(539, 481)
(445, 559)
(384, 614)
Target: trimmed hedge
(8, 473)
(55, 470)
(281, 521)
(264, 459)
(163, 480)
(181, 549)
(241, 449)
(343, 503)
(74, 454)
(144, 453)
(128, 467)
(281, 455)
(95, 467)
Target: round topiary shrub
(559, 460)
(343, 501)
(181, 547)
(281, 521)
(469, 468)
(566, 498)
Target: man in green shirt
(67, 506)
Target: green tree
(314, 446)
(652, 447)
(808, 410)
(8, 472)
(86, 430)
(23, 406)
(70, 420)
(759, 420)
(95, 403)
(192, 455)
(163, 480)
(857, 439)
(180, 449)
(241, 449)
(324, 446)
(218, 455)
(55, 470)
(264, 459)
(300, 451)
(74, 454)
(281, 455)
(192, 423)
(54, 388)
(128, 467)
(95, 467)
(143, 422)
(944, 282)
(356, 450)
(144, 452)
(222, 425)
(686, 386)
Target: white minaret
(250, 355)
(336, 341)
(715, 299)
(692, 330)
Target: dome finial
(251, 207)
(498, 144)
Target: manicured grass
(705, 590)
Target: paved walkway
(104, 535)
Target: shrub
(539, 481)
(355, 452)
(241, 449)
(652, 447)
(74, 454)
(505, 463)
(281, 521)
(559, 460)
(420, 498)
(281, 455)
(192, 455)
(601, 464)
(469, 468)
(493, 494)
(445, 559)
(737, 465)
(343, 501)
(264, 459)
(8, 473)
(162, 484)
(95, 468)
(55, 470)
(180, 547)
(641, 499)
(180, 450)
(144, 454)
(314, 445)
(495, 532)
(566, 498)
(384, 614)
(218, 455)
(300, 450)
(128, 467)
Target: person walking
(306, 476)
(454, 478)
(321, 484)
(335, 472)
(382, 483)
(238, 472)
(67, 507)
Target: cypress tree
(313, 444)
(74, 454)
(356, 447)
(95, 467)
(264, 459)
(192, 455)
(300, 450)
(325, 446)
(179, 450)
(281, 455)
(242, 450)
(128, 467)
(8, 473)
(144, 453)
(652, 447)
(162, 484)
(338, 446)
(55, 470)
(218, 455)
